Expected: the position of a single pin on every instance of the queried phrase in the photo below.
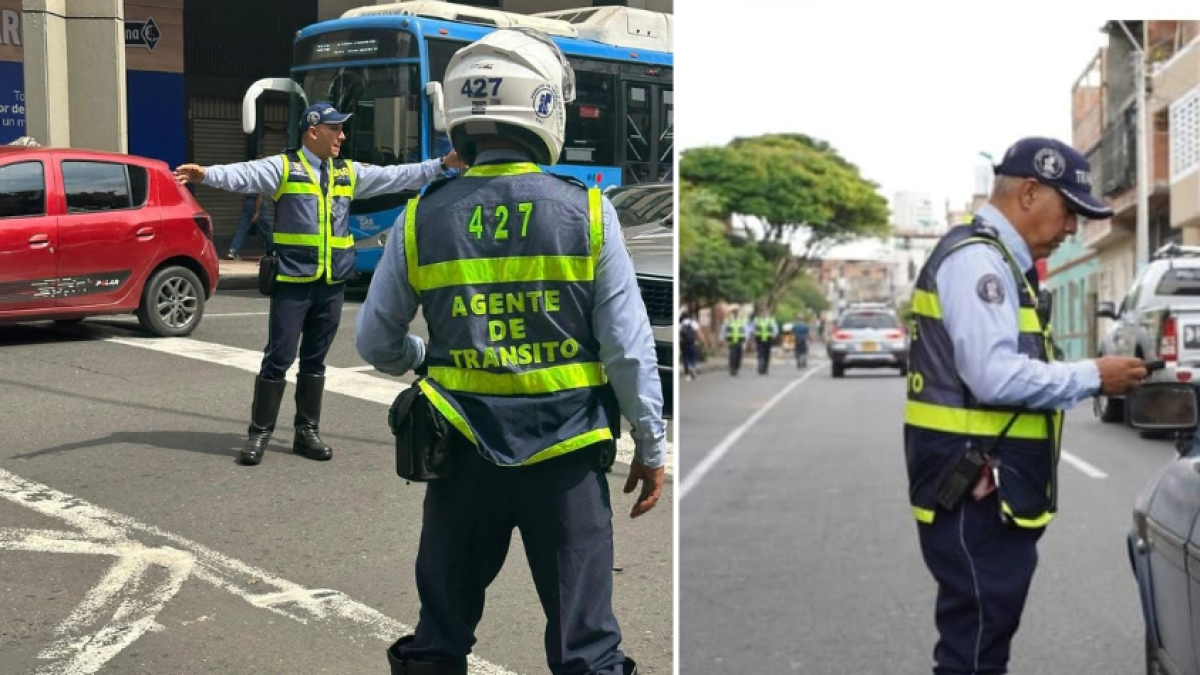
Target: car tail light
(841, 335)
(204, 223)
(894, 335)
(1184, 375)
(1166, 342)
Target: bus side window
(591, 121)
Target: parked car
(1159, 318)
(867, 338)
(647, 216)
(1164, 542)
(85, 233)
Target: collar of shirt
(501, 157)
(312, 158)
(1008, 235)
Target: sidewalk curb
(237, 275)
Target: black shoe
(268, 394)
(307, 442)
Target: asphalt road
(131, 541)
(798, 552)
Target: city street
(798, 551)
(132, 542)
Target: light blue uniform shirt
(618, 319)
(264, 175)
(984, 333)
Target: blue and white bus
(377, 62)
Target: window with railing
(1185, 135)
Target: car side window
(103, 186)
(22, 190)
(1130, 301)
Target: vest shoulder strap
(569, 179)
(437, 184)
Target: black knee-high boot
(309, 389)
(267, 396)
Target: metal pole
(1142, 252)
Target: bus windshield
(385, 127)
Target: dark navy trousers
(561, 507)
(983, 568)
(303, 315)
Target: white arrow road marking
(345, 381)
(124, 604)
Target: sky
(908, 94)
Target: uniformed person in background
(312, 188)
(733, 332)
(765, 330)
(533, 311)
(983, 383)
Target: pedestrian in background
(254, 214)
(733, 333)
(766, 331)
(800, 340)
(524, 361)
(312, 187)
(985, 398)
(689, 345)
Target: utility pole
(1142, 252)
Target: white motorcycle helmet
(512, 83)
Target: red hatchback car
(84, 233)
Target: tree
(805, 196)
(802, 296)
(714, 266)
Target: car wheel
(903, 371)
(838, 370)
(1108, 409)
(172, 302)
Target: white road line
(337, 380)
(1085, 468)
(347, 381)
(124, 604)
(710, 460)
(345, 308)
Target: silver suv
(867, 338)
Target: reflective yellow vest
(312, 232)
(942, 414)
(504, 259)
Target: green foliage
(802, 296)
(795, 185)
(715, 267)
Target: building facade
(1099, 263)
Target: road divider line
(346, 381)
(710, 460)
(1084, 468)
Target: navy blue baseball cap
(321, 112)
(1060, 166)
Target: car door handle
(145, 234)
(39, 241)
